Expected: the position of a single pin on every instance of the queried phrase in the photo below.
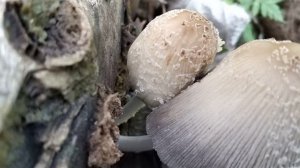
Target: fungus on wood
(243, 114)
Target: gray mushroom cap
(169, 53)
(246, 113)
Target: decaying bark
(47, 84)
(103, 149)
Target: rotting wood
(102, 145)
(27, 93)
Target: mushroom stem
(133, 106)
(135, 144)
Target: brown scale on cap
(170, 52)
(246, 113)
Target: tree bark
(48, 88)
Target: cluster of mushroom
(245, 113)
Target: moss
(11, 137)
(36, 15)
(85, 76)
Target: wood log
(50, 73)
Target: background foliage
(259, 8)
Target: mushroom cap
(246, 113)
(169, 53)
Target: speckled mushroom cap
(169, 53)
(246, 113)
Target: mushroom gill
(246, 113)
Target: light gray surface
(135, 144)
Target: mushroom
(246, 113)
(169, 53)
(167, 56)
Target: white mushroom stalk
(246, 113)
